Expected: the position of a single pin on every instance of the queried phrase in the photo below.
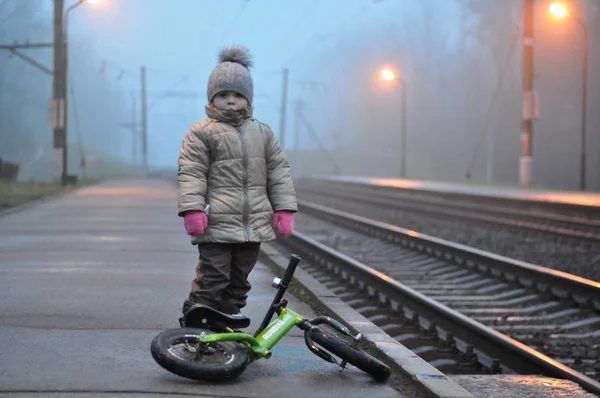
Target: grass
(14, 193)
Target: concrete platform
(589, 200)
(88, 279)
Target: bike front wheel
(180, 352)
(339, 347)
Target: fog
(457, 62)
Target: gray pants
(222, 276)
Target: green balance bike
(211, 348)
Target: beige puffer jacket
(241, 172)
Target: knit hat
(232, 74)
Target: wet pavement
(88, 279)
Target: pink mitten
(195, 222)
(285, 221)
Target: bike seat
(205, 317)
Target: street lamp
(560, 10)
(66, 26)
(389, 75)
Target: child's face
(229, 100)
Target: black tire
(227, 367)
(365, 362)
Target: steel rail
(571, 227)
(562, 285)
(518, 356)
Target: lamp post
(61, 83)
(560, 10)
(389, 75)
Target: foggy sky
(460, 60)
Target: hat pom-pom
(237, 54)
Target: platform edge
(390, 351)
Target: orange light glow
(388, 75)
(570, 198)
(390, 182)
(559, 10)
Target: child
(233, 163)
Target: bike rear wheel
(180, 352)
(339, 347)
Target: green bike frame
(262, 344)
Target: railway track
(568, 254)
(533, 217)
(461, 309)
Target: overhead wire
(167, 93)
(163, 95)
(123, 71)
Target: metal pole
(403, 133)
(61, 74)
(133, 131)
(283, 108)
(528, 95)
(584, 105)
(144, 119)
(59, 93)
(297, 136)
(489, 159)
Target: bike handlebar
(291, 268)
(287, 278)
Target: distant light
(559, 10)
(387, 74)
(92, 1)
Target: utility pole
(529, 96)
(58, 107)
(584, 72)
(59, 94)
(297, 115)
(134, 130)
(144, 119)
(284, 89)
(403, 132)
